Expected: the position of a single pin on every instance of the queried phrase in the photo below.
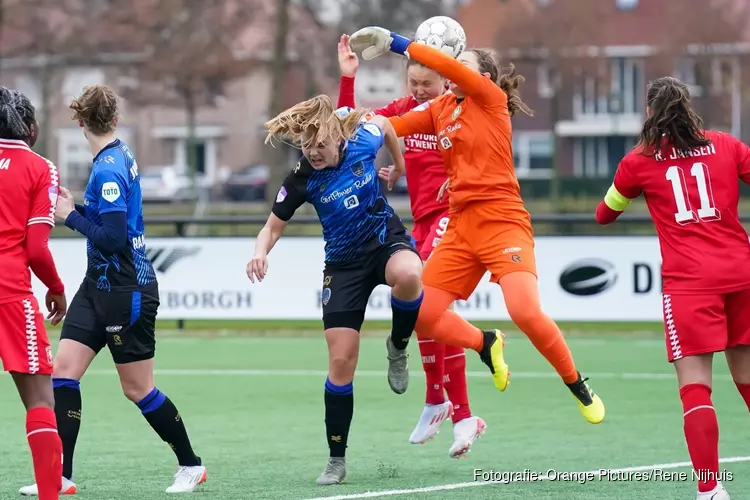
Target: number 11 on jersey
(685, 214)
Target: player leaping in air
(444, 365)
(29, 187)
(366, 246)
(689, 178)
(489, 228)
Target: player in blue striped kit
(117, 303)
(366, 245)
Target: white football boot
(430, 421)
(465, 432)
(187, 479)
(718, 493)
(68, 488)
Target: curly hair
(97, 109)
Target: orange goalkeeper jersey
(474, 135)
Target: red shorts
(700, 324)
(428, 231)
(24, 345)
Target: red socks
(46, 451)
(433, 355)
(744, 392)
(701, 433)
(445, 371)
(455, 382)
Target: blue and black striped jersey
(347, 198)
(114, 185)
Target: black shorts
(125, 321)
(347, 286)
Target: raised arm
(473, 83)
(623, 190)
(417, 121)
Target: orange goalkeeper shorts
(481, 237)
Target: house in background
(229, 134)
(587, 65)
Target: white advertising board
(580, 279)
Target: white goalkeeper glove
(375, 41)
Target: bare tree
(279, 65)
(42, 39)
(192, 50)
(559, 37)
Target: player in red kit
(28, 192)
(689, 178)
(444, 365)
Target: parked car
(164, 184)
(248, 184)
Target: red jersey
(29, 187)
(693, 198)
(425, 170)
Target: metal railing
(181, 223)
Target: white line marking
(542, 477)
(226, 372)
(375, 373)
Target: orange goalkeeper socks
(437, 322)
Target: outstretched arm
(417, 121)
(473, 83)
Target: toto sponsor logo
(588, 277)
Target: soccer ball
(444, 34)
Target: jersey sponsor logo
(512, 250)
(113, 328)
(282, 194)
(110, 191)
(4, 163)
(446, 143)
(163, 258)
(587, 277)
(373, 129)
(421, 142)
(351, 202)
(343, 193)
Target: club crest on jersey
(446, 143)
(358, 168)
(456, 112)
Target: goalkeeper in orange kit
(489, 229)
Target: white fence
(580, 279)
